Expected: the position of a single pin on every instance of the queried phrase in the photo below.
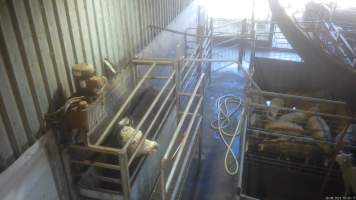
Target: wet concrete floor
(213, 182)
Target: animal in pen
(117, 138)
(273, 109)
(318, 129)
(289, 148)
(291, 128)
(128, 132)
(348, 172)
(285, 127)
(349, 138)
(299, 142)
(295, 117)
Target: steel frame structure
(331, 37)
(185, 93)
(249, 107)
(126, 160)
(185, 83)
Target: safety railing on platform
(332, 37)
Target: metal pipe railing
(242, 125)
(326, 31)
(193, 75)
(180, 151)
(158, 61)
(180, 74)
(296, 137)
(185, 66)
(95, 150)
(259, 131)
(168, 152)
(312, 99)
(96, 164)
(179, 126)
(148, 111)
(190, 68)
(125, 176)
(186, 159)
(195, 35)
(151, 125)
(304, 111)
(116, 117)
(124, 160)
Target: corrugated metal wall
(41, 39)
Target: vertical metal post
(185, 44)
(198, 15)
(243, 33)
(271, 32)
(200, 48)
(124, 170)
(177, 77)
(134, 73)
(163, 179)
(244, 117)
(253, 35)
(211, 46)
(200, 136)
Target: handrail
(116, 117)
(169, 93)
(151, 125)
(148, 111)
(257, 105)
(167, 154)
(314, 99)
(185, 161)
(177, 158)
(335, 35)
(180, 124)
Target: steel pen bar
(177, 158)
(148, 111)
(304, 111)
(243, 145)
(116, 117)
(182, 119)
(191, 34)
(186, 159)
(173, 140)
(158, 61)
(143, 138)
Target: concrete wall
(38, 174)
(30, 177)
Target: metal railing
(332, 37)
(182, 91)
(175, 156)
(255, 108)
(185, 74)
(165, 96)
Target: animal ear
(125, 121)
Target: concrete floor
(213, 182)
